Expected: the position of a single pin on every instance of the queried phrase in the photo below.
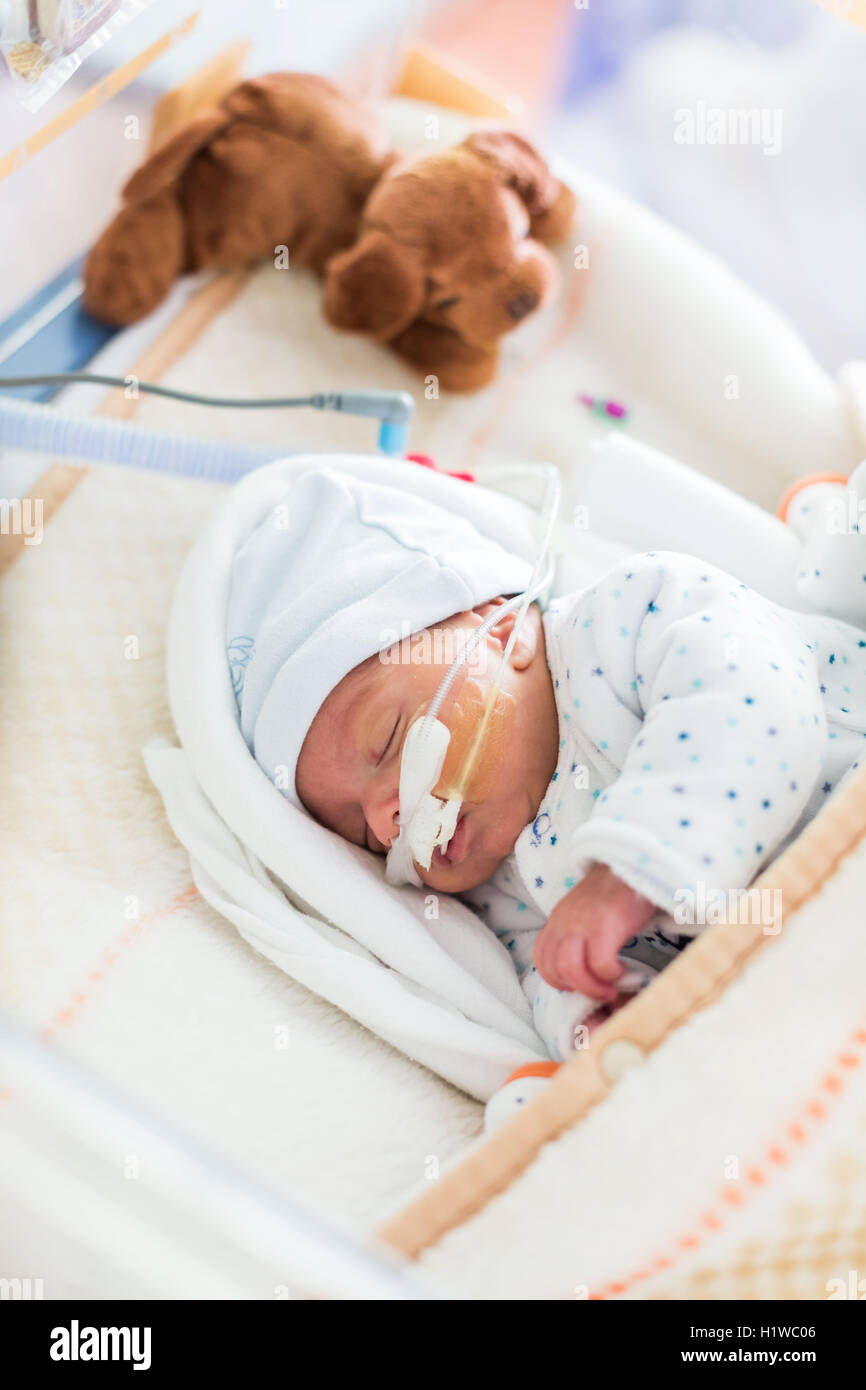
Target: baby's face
(348, 773)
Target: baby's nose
(521, 305)
(382, 817)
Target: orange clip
(801, 483)
(534, 1069)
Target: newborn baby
(668, 728)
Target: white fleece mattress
(107, 950)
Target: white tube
(422, 827)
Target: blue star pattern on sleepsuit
(701, 726)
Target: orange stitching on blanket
(816, 1109)
(66, 1016)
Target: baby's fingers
(577, 968)
(562, 962)
(601, 955)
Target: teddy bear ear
(376, 287)
(169, 159)
(549, 202)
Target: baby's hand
(577, 947)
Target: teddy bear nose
(521, 305)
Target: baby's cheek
(463, 720)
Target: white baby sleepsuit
(701, 726)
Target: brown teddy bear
(437, 256)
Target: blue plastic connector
(393, 437)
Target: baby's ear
(484, 609)
(524, 649)
(375, 287)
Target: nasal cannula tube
(537, 583)
(540, 578)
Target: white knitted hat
(329, 575)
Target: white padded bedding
(300, 1094)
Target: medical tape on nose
(425, 820)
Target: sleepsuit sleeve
(706, 699)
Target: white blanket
(449, 996)
(420, 971)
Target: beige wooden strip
(697, 977)
(199, 92)
(96, 96)
(430, 76)
(48, 493)
(175, 340)
(852, 10)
